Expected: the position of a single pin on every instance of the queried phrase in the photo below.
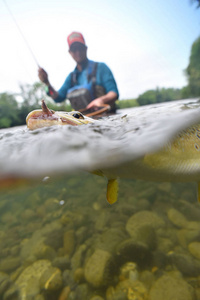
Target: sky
(146, 44)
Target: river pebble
(78, 250)
(98, 268)
(171, 288)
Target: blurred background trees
(15, 107)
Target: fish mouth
(46, 117)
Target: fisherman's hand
(43, 76)
(95, 104)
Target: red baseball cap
(75, 37)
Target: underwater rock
(143, 218)
(39, 246)
(9, 264)
(62, 262)
(147, 278)
(171, 288)
(129, 271)
(127, 289)
(177, 218)
(51, 279)
(64, 293)
(186, 236)
(39, 297)
(96, 298)
(133, 250)
(12, 293)
(28, 281)
(110, 239)
(79, 275)
(186, 264)
(69, 242)
(190, 210)
(164, 245)
(194, 249)
(98, 268)
(4, 283)
(77, 258)
(102, 220)
(28, 214)
(82, 291)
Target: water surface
(60, 239)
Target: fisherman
(91, 85)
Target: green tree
(193, 69)
(196, 1)
(9, 111)
(31, 96)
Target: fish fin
(98, 172)
(198, 191)
(112, 191)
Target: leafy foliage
(193, 69)
(196, 1)
(159, 95)
(8, 111)
(127, 103)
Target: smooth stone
(110, 239)
(4, 282)
(12, 293)
(98, 268)
(185, 263)
(133, 250)
(164, 245)
(64, 293)
(69, 242)
(28, 280)
(68, 278)
(190, 210)
(79, 275)
(194, 249)
(171, 288)
(51, 279)
(82, 291)
(62, 262)
(186, 236)
(9, 264)
(143, 218)
(43, 242)
(127, 289)
(177, 218)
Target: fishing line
(20, 31)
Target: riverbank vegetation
(15, 107)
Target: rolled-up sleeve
(106, 79)
(62, 92)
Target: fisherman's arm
(109, 98)
(58, 96)
(43, 76)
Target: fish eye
(78, 115)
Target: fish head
(46, 117)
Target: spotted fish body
(178, 160)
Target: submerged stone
(170, 288)
(98, 268)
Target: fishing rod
(22, 35)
